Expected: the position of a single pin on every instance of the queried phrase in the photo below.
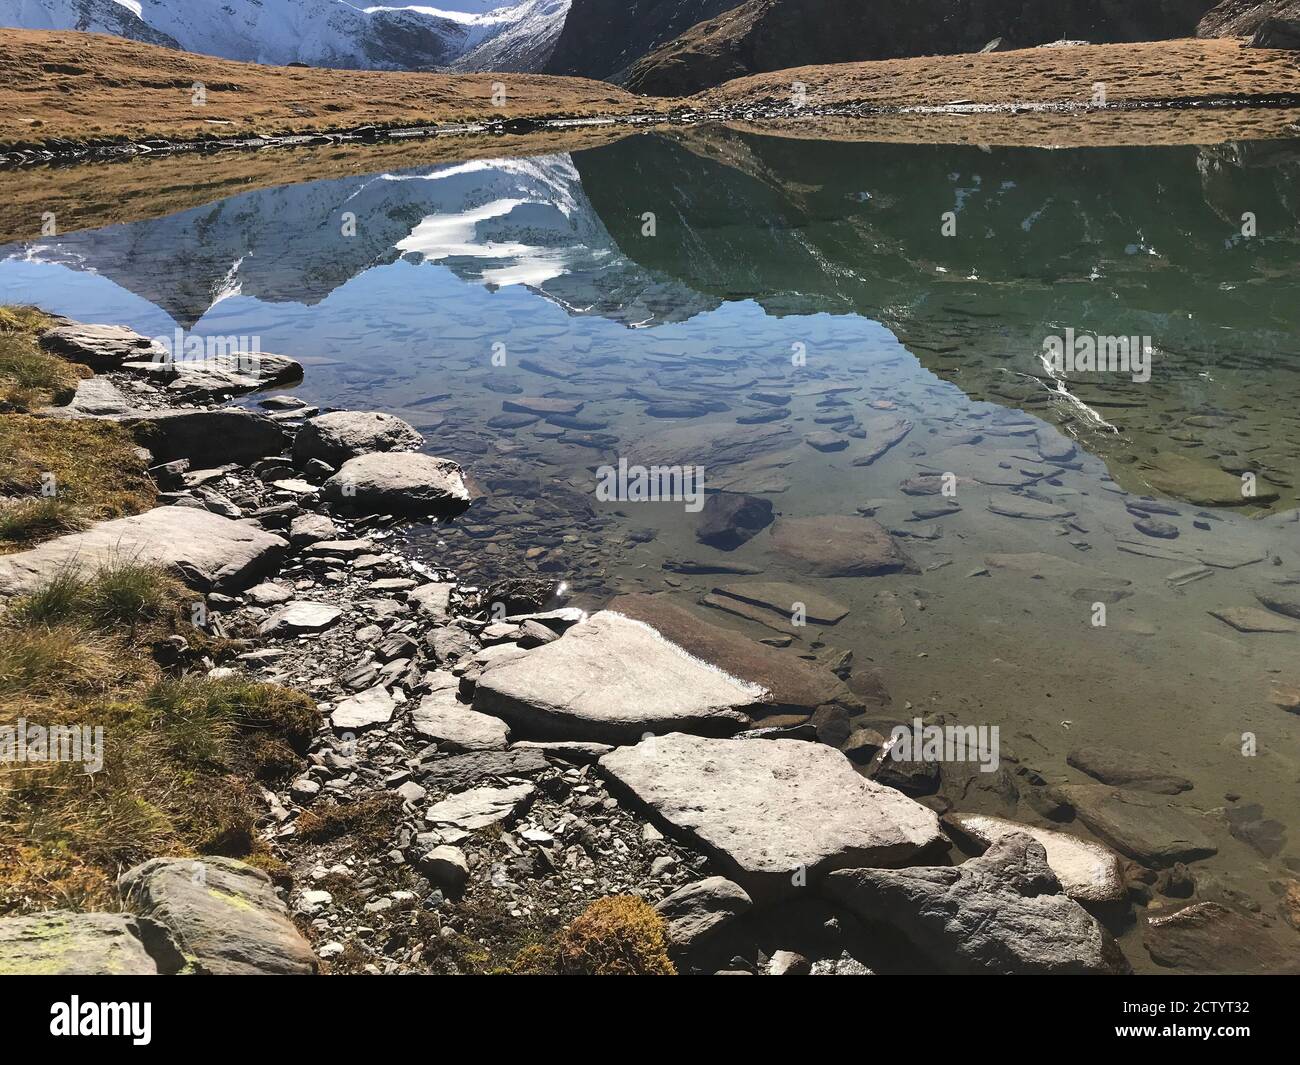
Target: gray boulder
(224, 914)
(1003, 912)
(206, 551)
(207, 437)
(345, 434)
(62, 943)
(404, 483)
(775, 814)
(612, 679)
(696, 910)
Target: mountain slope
(90, 16)
(526, 43)
(603, 38)
(1241, 18)
(331, 33)
(767, 35)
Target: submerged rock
(225, 915)
(1003, 912)
(774, 814)
(839, 546)
(1208, 937)
(1154, 833)
(1123, 768)
(613, 679)
(729, 520)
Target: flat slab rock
(612, 679)
(103, 347)
(1144, 827)
(217, 375)
(300, 617)
(480, 807)
(772, 812)
(838, 545)
(1003, 912)
(366, 710)
(1088, 872)
(206, 551)
(453, 726)
(62, 943)
(782, 598)
(793, 683)
(224, 914)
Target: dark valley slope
(603, 38)
(766, 35)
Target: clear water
(820, 271)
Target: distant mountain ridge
(450, 34)
(758, 36)
(604, 38)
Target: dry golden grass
(88, 87)
(620, 935)
(181, 755)
(95, 470)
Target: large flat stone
(208, 552)
(218, 375)
(772, 813)
(1003, 912)
(793, 684)
(837, 545)
(224, 914)
(1143, 827)
(366, 710)
(613, 679)
(1087, 871)
(102, 347)
(62, 943)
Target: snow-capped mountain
(333, 33)
(525, 44)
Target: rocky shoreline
(493, 760)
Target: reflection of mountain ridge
(523, 221)
(1112, 241)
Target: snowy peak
(331, 33)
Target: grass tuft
(620, 935)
